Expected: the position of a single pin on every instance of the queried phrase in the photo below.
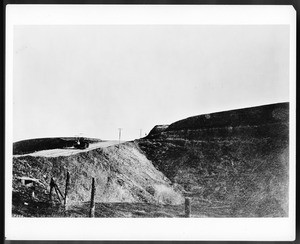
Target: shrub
(166, 195)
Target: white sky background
(94, 79)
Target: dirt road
(69, 151)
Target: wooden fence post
(187, 207)
(92, 206)
(66, 190)
(51, 189)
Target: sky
(92, 80)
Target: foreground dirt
(200, 209)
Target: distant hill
(247, 121)
(38, 144)
(254, 116)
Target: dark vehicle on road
(81, 143)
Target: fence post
(66, 190)
(51, 189)
(187, 207)
(92, 206)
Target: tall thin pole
(66, 190)
(187, 207)
(51, 189)
(120, 130)
(92, 204)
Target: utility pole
(120, 131)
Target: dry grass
(248, 174)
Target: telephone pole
(120, 131)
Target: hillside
(122, 174)
(238, 157)
(246, 122)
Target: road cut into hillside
(70, 151)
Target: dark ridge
(253, 116)
(33, 145)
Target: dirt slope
(122, 174)
(239, 158)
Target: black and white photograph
(151, 121)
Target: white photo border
(194, 229)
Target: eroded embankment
(239, 158)
(122, 174)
